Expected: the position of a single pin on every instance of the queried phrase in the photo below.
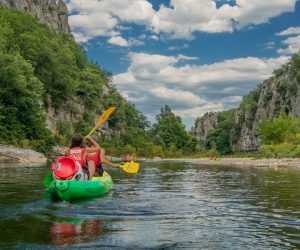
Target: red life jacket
(94, 157)
(77, 154)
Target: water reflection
(69, 231)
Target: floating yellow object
(131, 167)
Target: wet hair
(77, 141)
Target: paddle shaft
(102, 119)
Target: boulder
(12, 154)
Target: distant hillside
(238, 128)
(49, 88)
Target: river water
(168, 205)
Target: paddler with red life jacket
(79, 152)
(89, 158)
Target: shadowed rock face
(50, 12)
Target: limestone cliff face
(72, 111)
(204, 125)
(51, 12)
(280, 91)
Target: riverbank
(243, 162)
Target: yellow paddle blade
(102, 119)
(131, 167)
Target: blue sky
(194, 55)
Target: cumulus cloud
(189, 89)
(199, 111)
(292, 42)
(176, 94)
(180, 19)
(117, 40)
(289, 31)
(293, 46)
(104, 18)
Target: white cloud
(154, 37)
(191, 89)
(159, 68)
(270, 45)
(91, 25)
(289, 31)
(103, 18)
(199, 111)
(81, 38)
(184, 46)
(181, 19)
(135, 42)
(292, 42)
(119, 41)
(180, 96)
(232, 99)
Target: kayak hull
(74, 190)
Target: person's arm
(108, 163)
(95, 146)
(105, 161)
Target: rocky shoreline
(11, 154)
(243, 162)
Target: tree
(170, 129)
(220, 136)
(275, 131)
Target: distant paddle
(131, 167)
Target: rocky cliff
(282, 90)
(204, 125)
(51, 12)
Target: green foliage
(21, 111)
(128, 150)
(277, 130)
(279, 72)
(282, 88)
(213, 152)
(38, 64)
(295, 62)
(65, 131)
(221, 135)
(280, 150)
(281, 137)
(170, 129)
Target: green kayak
(74, 190)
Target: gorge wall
(50, 12)
(282, 90)
(204, 125)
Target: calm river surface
(168, 205)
